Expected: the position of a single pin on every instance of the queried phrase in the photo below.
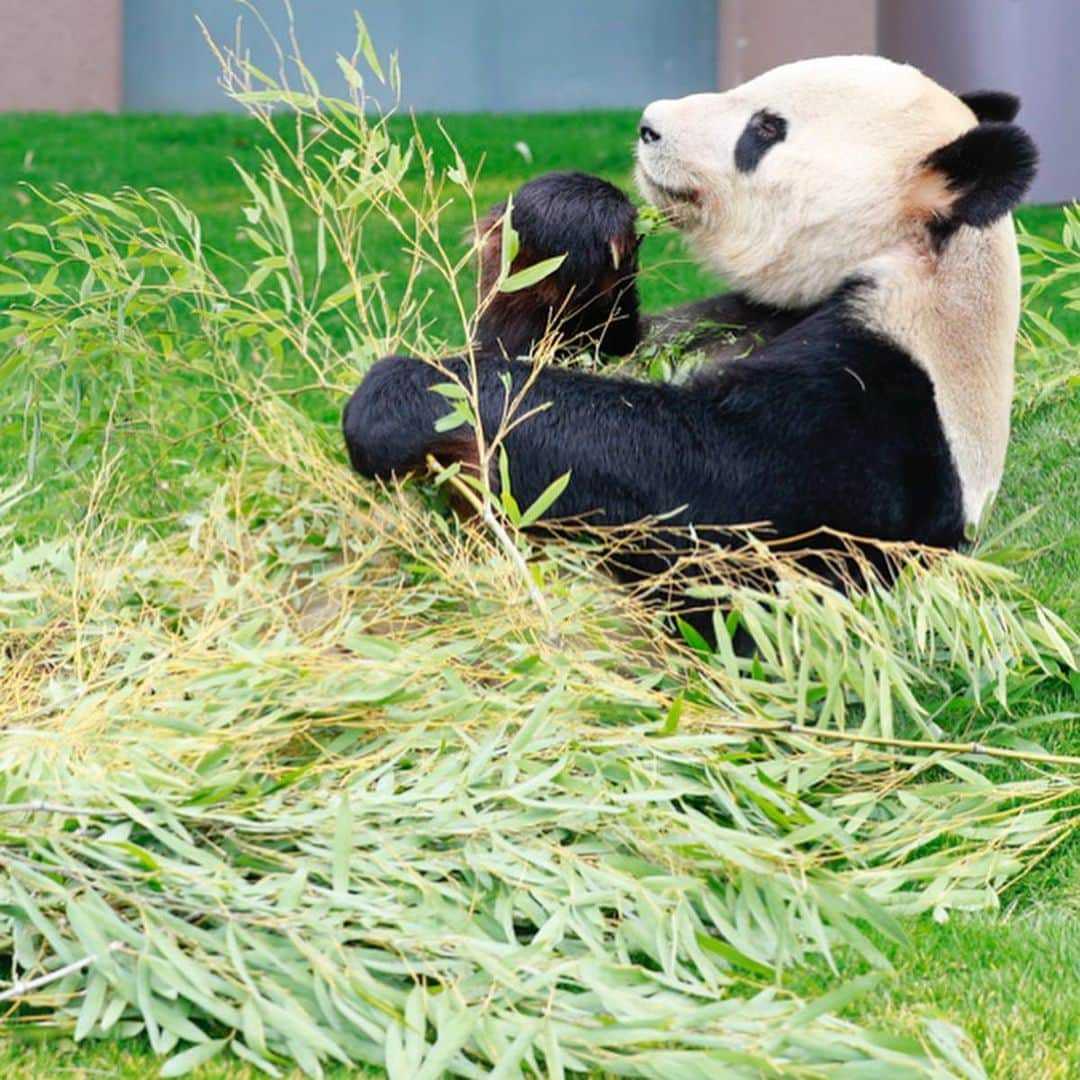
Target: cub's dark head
(591, 300)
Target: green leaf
(194, 1056)
(92, 1006)
(692, 637)
(366, 47)
(293, 98)
(343, 840)
(544, 500)
(734, 957)
(674, 715)
(511, 243)
(1052, 332)
(836, 999)
(320, 246)
(506, 495)
(523, 279)
(352, 76)
(453, 390)
(950, 1042)
(458, 417)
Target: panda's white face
(789, 183)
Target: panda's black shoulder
(854, 403)
(827, 347)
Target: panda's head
(791, 182)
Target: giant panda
(861, 213)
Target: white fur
(957, 315)
(846, 193)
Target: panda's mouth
(667, 197)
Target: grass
(975, 970)
(192, 156)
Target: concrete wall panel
(456, 55)
(1025, 46)
(756, 35)
(60, 55)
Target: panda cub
(861, 214)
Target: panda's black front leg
(389, 422)
(591, 300)
(633, 449)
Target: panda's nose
(648, 133)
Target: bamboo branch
(782, 727)
(38, 806)
(482, 507)
(22, 987)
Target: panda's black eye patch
(763, 129)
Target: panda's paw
(590, 299)
(584, 218)
(389, 422)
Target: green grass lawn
(1011, 980)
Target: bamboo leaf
(366, 47)
(531, 275)
(343, 835)
(544, 501)
(191, 1058)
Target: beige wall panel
(756, 35)
(61, 55)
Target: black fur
(990, 167)
(763, 130)
(996, 105)
(590, 298)
(827, 425)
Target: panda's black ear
(986, 171)
(996, 105)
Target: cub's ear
(995, 105)
(985, 174)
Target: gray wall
(60, 57)
(1028, 47)
(456, 55)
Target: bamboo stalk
(783, 727)
(482, 506)
(39, 806)
(22, 987)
